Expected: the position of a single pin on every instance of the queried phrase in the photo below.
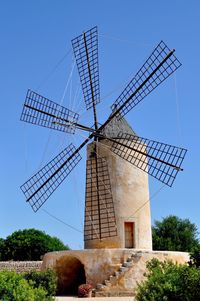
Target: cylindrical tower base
(130, 196)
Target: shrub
(29, 244)
(169, 282)
(13, 287)
(46, 279)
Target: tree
(174, 234)
(29, 244)
(195, 257)
(1, 246)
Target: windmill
(160, 160)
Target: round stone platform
(113, 272)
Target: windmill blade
(100, 219)
(41, 111)
(159, 66)
(160, 160)
(39, 188)
(85, 49)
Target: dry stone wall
(20, 266)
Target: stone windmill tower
(118, 161)
(119, 217)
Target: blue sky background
(35, 36)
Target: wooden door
(129, 237)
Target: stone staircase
(110, 286)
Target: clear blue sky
(35, 35)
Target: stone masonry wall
(20, 266)
(100, 264)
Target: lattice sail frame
(39, 110)
(143, 83)
(85, 48)
(40, 186)
(100, 221)
(161, 161)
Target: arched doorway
(71, 274)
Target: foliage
(29, 244)
(46, 279)
(13, 287)
(169, 282)
(1, 246)
(84, 290)
(195, 257)
(174, 234)
(1, 242)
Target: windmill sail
(159, 66)
(39, 187)
(85, 49)
(99, 208)
(41, 111)
(160, 160)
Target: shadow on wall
(71, 274)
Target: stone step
(100, 286)
(107, 282)
(129, 259)
(128, 264)
(133, 256)
(112, 279)
(115, 266)
(136, 255)
(123, 269)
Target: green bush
(13, 287)
(166, 281)
(46, 280)
(174, 234)
(29, 244)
